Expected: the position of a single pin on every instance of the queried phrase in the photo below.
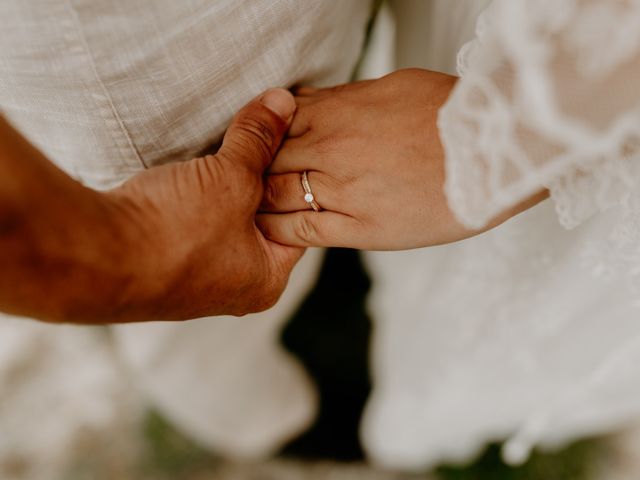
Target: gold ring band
(308, 194)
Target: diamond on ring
(308, 195)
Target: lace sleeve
(549, 97)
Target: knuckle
(265, 297)
(328, 144)
(208, 170)
(408, 72)
(339, 88)
(306, 230)
(258, 134)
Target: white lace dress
(531, 331)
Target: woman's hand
(376, 167)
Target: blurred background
(329, 334)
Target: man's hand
(174, 242)
(376, 167)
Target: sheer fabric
(549, 99)
(531, 331)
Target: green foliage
(170, 454)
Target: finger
(308, 97)
(310, 229)
(303, 91)
(305, 101)
(282, 260)
(320, 92)
(257, 130)
(296, 155)
(286, 257)
(301, 122)
(284, 193)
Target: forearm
(65, 250)
(174, 242)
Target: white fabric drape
(530, 331)
(549, 98)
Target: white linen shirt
(106, 89)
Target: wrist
(141, 258)
(71, 261)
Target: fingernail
(280, 102)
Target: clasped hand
(374, 162)
(214, 235)
(376, 167)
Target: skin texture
(376, 166)
(174, 242)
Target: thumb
(257, 130)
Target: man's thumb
(257, 130)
